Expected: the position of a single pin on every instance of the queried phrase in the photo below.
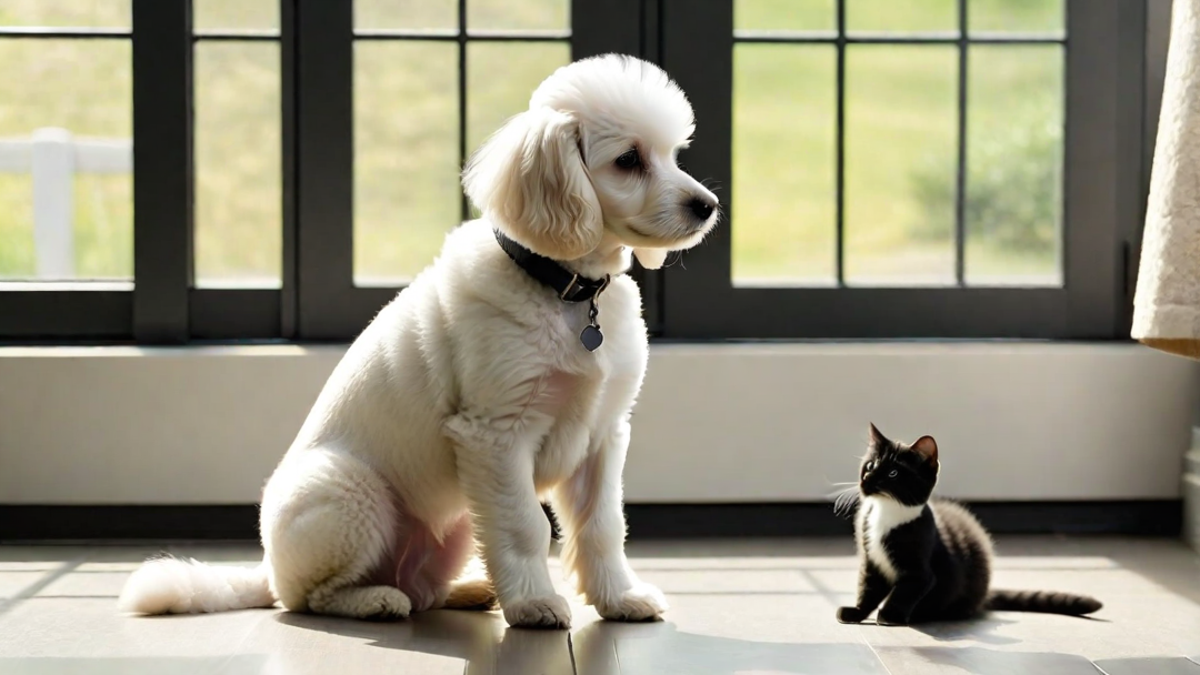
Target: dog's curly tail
(173, 586)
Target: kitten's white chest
(877, 517)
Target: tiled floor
(737, 607)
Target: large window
(176, 170)
(931, 168)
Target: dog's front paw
(643, 602)
(551, 612)
(891, 618)
(850, 615)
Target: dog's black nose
(701, 208)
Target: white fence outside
(54, 156)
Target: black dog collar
(569, 286)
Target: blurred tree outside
(900, 136)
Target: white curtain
(1167, 306)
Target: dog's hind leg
(328, 523)
(361, 602)
(472, 589)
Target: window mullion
(324, 155)
(839, 170)
(623, 27)
(1094, 191)
(960, 177)
(613, 26)
(288, 296)
(697, 50)
(162, 155)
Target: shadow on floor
(982, 661)
(981, 630)
(600, 648)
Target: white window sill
(715, 423)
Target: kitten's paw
(851, 615)
(892, 618)
(550, 612)
(643, 602)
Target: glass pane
(784, 15)
(783, 165)
(409, 14)
(238, 227)
(66, 13)
(214, 15)
(901, 158)
(500, 79)
(406, 188)
(66, 128)
(901, 16)
(1014, 166)
(1022, 16)
(518, 14)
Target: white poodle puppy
(484, 386)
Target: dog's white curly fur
(469, 395)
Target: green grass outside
(900, 116)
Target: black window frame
(1104, 79)
(161, 304)
(1107, 158)
(331, 305)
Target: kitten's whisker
(839, 483)
(845, 501)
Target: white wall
(750, 422)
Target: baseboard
(1191, 492)
(1158, 518)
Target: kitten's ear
(877, 437)
(926, 447)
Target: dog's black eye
(629, 160)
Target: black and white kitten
(930, 558)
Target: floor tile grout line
(616, 656)
(828, 593)
(863, 634)
(37, 586)
(821, 587)
(234, 653)
(571, 653)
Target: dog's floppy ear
(529, 179)
(650, 258)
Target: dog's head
(595, 153)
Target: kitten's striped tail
(1047, 602)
